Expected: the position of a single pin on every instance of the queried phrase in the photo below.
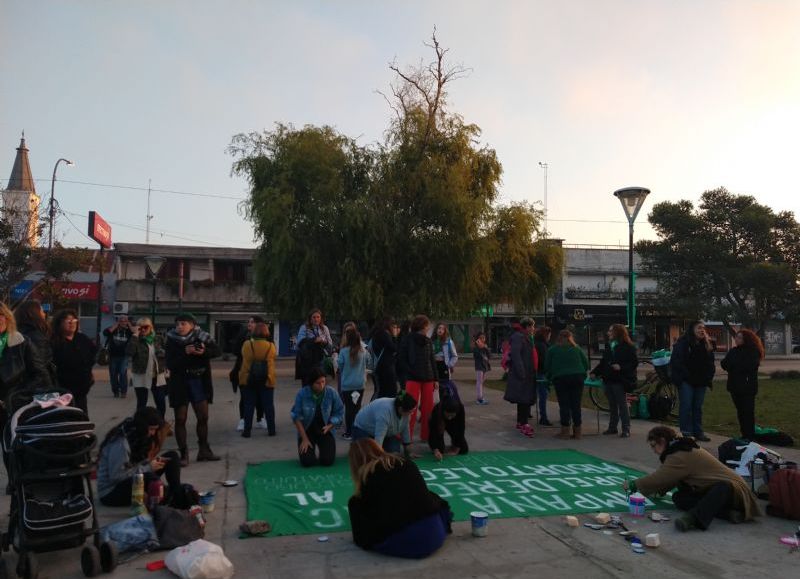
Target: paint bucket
(636, 504)
(480, 523)
(207, 501)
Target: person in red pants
(419, 367)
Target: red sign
(99, 230)
(76, 290)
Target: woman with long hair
(314, 345)
(706, 488)
(132, 447)
(74, 356)
(541, 342)
(32, 323)
(741, 363)
(692, 370)
(448, 416)
(566, 365)
(446, 356)
(146, 352)
(317, 410)
(257, 378)
(419, 368)
(384, 348)
(521, 379)
(392, 511)
(480, 355)
(352, 365)
(617, 368)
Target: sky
(678, 96)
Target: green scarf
(614, 344)
(3, 343)
(150, 339)
(318, 397)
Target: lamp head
(154, 264)
(632, 200)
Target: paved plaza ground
(524, 547)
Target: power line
(135, 188)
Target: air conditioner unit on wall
(120, 307)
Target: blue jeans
(690, 412)
(543, 389)
(118, 373)
(390, 443)
(267, 397)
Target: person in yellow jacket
(257, 378)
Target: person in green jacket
(566, 365)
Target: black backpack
(259, 369)
(659, 405)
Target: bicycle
(656, 381)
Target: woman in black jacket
(742, 363)
(32, 323)
(541, 341)
(419, 368)
(74, 356)
(692, 369)
(384, 347)
(448, 416)
(391, 510)
(618, 371)
(20, 364)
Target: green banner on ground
(297, 500)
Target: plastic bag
(199, 559)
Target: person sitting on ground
(392, 511)
(317, 410)
(706, 487)
(130, 448)
(386, 420)
(448, 416)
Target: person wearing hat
(189, 351)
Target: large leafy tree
(405, 225)
(731, 259)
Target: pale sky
(678, 96)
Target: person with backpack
(706, 488)
(314, 346)
(480, 355)
(448, 416)
(617, 368)
(741, 363)
(352, 364)
(244, 335)
(521, 381)
(692, 370)
(446, 356)
(257, 378)
(117, 338)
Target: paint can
(636, 504)
(207, 501)
(480, 523)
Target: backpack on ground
(259, 369)
(784, 494)
(659, 406)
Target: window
(231, 271)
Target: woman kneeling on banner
(386, 420)
(317, 410)
(448, 416)
(706, 488)
(392, 511)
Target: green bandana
(150, 338)
(318, 397)
(614, 344)
(3, 342)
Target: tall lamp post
(52, 209)
(545, 166)
(154, 265)
(632, 199)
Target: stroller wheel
(90, 561)
(27, 566)
(108, 556)
(3, 568)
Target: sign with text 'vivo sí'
(99, 230)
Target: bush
(785, 375)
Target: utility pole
(545, 167)
(149, 217)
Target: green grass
(777, 405)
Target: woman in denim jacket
(317, 410)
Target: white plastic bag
(199, 559)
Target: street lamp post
(52, 208)
(545, 166)
(632, 199)
(154, 265)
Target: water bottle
(137, 495)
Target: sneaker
(625, 434)
(702, 438)
(262, 423)
(527, 430)
(346, 436)
(240, 426)
(520, 425)
(685, 523)
(482, 402)
(245, 434)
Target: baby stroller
(47, 448)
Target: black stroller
(47, 450)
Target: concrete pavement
(514, 547)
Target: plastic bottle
(137, 495)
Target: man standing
(117, 338)
(189, 351)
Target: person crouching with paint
(385, 420)
(706, 487)
(392, 511)
(316, 411)
(447, 416)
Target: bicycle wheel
(598, 397)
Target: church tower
(20, 201)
